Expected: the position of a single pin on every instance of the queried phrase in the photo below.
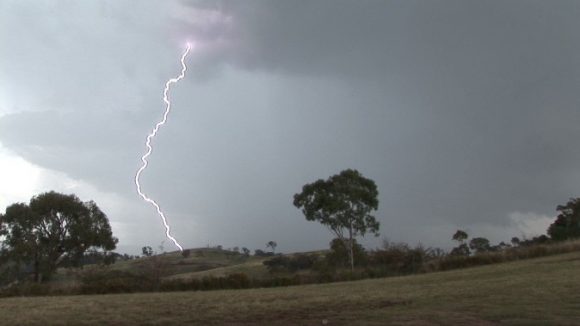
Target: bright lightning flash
(150, 136)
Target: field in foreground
(543, 291)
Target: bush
(181, 285)
(339, 255)
(277, 264)
(292, 263)
(399, 258)
(455, 262)
(101, 281)
(238, 281)
(26, 289)
(262, 253)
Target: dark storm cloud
(486, 92)
(464, 112)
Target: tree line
(56, 230)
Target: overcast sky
(465, 113)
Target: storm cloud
(465, 113)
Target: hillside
(542, 291)
(199, 260)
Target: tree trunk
(351, 251)
(36, 268)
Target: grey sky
(465, 113)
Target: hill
(199, 259)
(171, 265)
(541, 291)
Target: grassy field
(543, 291)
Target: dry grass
(200, 259)
(543, 291)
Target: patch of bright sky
(18, 179)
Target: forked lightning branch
(149, 147)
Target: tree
(460, 236)
(262, 253)
(246, 251)
(54, 230)
(272, 244)
(338, 255)
(147, 251)
(2, 228)
(479, 245)
(500, 246)
(567, 223)
(462, 248)
(343, 203)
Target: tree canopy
(343, 203)
(479, 245)
(54, 229)
(567, 223)
(460, 236)
(272, 244)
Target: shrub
(292, 263)
(262, 253)
(26, 289)
(101, 281)
(181, 285)
(277, 264)
(339, 256)
(399, 258)
(238, 281)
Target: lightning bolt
(150, 136)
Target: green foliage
(541, 239)
(292, 263)
(461, 250)
(54, 229)
(567, 223)
(147, 251)
(29, 289)
(462, 261)
(101, 281)
(238, 281)
(272, 244)
(3, 230)
(460, 236)
(339, 256)
(92, 257)
(533, 249)
(479, 245)
(399, 259)
(262, 253)
(343, 203)
(207, 283)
